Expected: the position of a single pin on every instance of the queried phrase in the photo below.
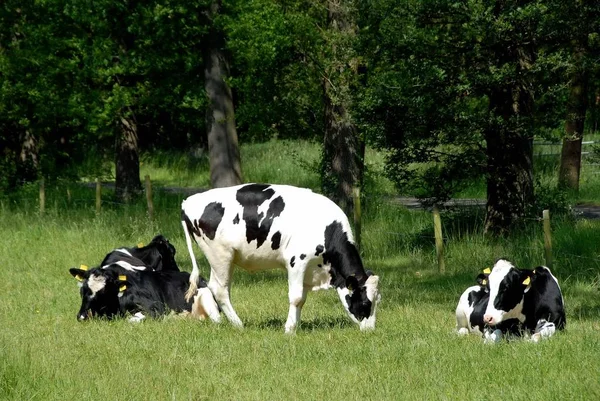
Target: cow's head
(361, 301)
(507, 288)
(99, 290)
(166, 251)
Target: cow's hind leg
(297, 296)
(221, 269)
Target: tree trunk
(29, 160)
(343, 148)
(570, 158)
(223, 148)
(510, 147)
(127, 180)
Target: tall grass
(413, 354)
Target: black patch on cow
(343, 257)
(292, 261)
(251, 197)
(276, 240)
(302, 256)
(359, 304)
(320, 265)
(510, 290)
(190, 226)
(320, 250)
(210, 219)
(236, 220)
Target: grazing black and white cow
(531, 296)
(261, 226)
(471, 308)
(113, 291)
(158, 255)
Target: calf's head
(361, 301)
(99, 289)
(507, 286)
(166, 251)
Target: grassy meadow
(414, 353)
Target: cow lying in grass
(509, 300)
(259, 227)
(113, 290)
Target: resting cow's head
(166, 251)
(362, 300)
(99, 290)
(507, 288)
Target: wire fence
(436, 235)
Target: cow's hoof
(463, 331)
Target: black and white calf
(471, 308)
(261, 226)
(113, 291)
(158, 255)
(531, 296)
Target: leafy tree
(452, 89)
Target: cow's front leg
(544, 329)
(491, 336)
(297, 296)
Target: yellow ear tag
(527, 281)
(122, 278)
(141, 245)
(487, 270)
(78, 278)
(483, 282)
(122, 288)
(83, 267)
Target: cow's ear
(482, 279)
(79, 274)
(351, 283)
(527, 276)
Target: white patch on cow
(373, 296)
(500, 270)
(137, 317)
(342, 292)
(205, 305)
(127, 266)
(125, 251)
(464, 311)
(96, 284)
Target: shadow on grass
(316, 324)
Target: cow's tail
(195, 275)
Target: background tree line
(453, 90)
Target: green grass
(413, 354)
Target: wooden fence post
(42, 196)
(439, 239)
(98, 195)
(357, 215)
(149, 197)
(547, 238)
